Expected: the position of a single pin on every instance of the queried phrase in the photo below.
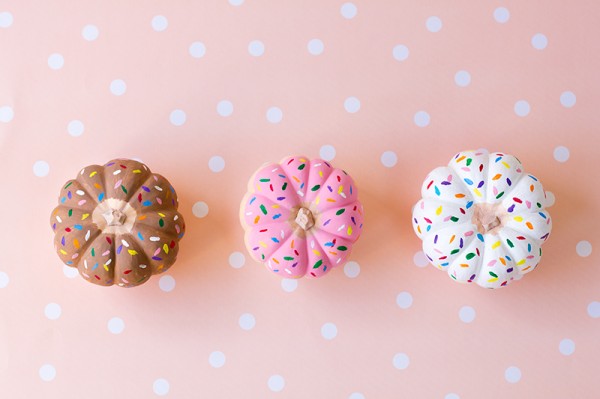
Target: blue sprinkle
(469, 181)
(428, 227)
(140, 236)
(100, 197)
(437, 190)
(277, 216)
(95, 266)
(480, 237)
(70, 262)
(444, 264)
(282, 176)
(498, 159)
(275, 240)
(78, 227)
(533, 178)
(350, 190)
(508, 257)
(469, 204)
(252, 200)
(528, 247)
(542, 215)
(302, 186)
(147, 203)
(62, 200)
(329, 244)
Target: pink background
(535, 96)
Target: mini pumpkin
(301, 217)
(482, 219)
(117, 223)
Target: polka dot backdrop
(204, 94)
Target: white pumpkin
(482, 218)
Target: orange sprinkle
(459, 195)
(460, 159)
(497, 176)
(256, 219)
(528, 224)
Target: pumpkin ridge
(268, 199)
(451, 165)
(120, 270)
(525, 234)
(324, 206)
(296, 196)
(151, 178)
(309, 195)
(282, 245)
(514, 183)
(318, 225)
(326, 251)
(83, 180)
(324, 266)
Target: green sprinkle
(93, 252)
(342, 248)
(338, 213)
(262, 256)
(469, 160)
(284, 186)
(301, 166)
(68, 184)
(539, 205)
(470, 255)
(265, 180)
(454, 251)
(70, 212)
(493, 274)
(263, 209)
(500, 195)
(124, 189)
(288, 258)
(315, 188)
(510, 244)
(161, 223)
(319, 263)
(453, 276)
(454, 219)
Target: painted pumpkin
(117, 223)
(482, 219)
(301, 217)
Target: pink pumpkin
(301, 217)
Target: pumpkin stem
(114, 217)
(488, 218)
(305, 219)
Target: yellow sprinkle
(166, 248)
(317, 200)
(340, 189)
(62, 251)
(262, 244)
(518, 219)
(275, 206)
(316, 252)
(76, 243)
(320, 173)
(496, 245)
(258, 188)
(349, 230)
(438, 211)
(137, 171)
(493, 280)
(521, 262)
(85, 216)
(476, 191)
(505, 164)
(162, 215)
(302, 160)
(105, 267)
(94, 173)
(132, 252)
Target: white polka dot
(539, 41)
(512, 374)
(568, 99)
(116, 325)
(329, 331)
(161, 387)
(451, 396)
(289, 284)
(550, 199)
(70, 272)
(237, 260)
(197, 49)
(352, 105)
(41, 168)
(315, 47)
(90, 32)
(216, 359)
(566, 347)
(522, 108)
(200, 209)
(4, 280)
(6, 19)
(401, 361)
(583, 249)
(75, 128)
(216, 164)
(166, 283)
(561, 154)
(400, 52)
(434, 24)
(404, 300)
(56, 61)
(225, 108)
(159, 23)
(593, 309)
(6, 114)
(421, 119)
(247, 321)
(352, 269)
(177, 117)
(256, 48)
(356, 395)
(118, 87)
(348, 10)
(327, 152)
(274, 115)
(276, 383)
(462, 78)
(389, 159)
(47, 372)
(466, 314)
(501, 15)
(420, 259)
(236, 2)
(52, 311)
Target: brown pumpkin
(117, 223)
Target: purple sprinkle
(446, 183)
(461, 243)
(295, 264)
(329, 188)
(353, 221)
(69, 195)
(480, 184)
(511, 208)
(508, 181)
(63, 241)
(327, 222)
(510, 269)
(119, 249)
(280, 198)
(435, 239)
(156, 258)
(146, 189)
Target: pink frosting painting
(483, 219)
(301, 217)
